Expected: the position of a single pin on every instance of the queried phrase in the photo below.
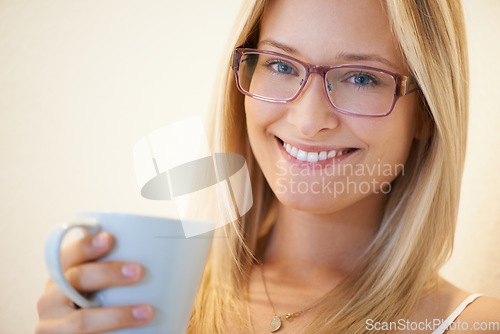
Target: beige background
(82, 81)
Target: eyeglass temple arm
(236, 58)
(405, 86)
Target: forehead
(320, 30)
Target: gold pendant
(275, 324)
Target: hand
(58, 314)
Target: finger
(88, 248)
(87, 278)
(95, 276)
(53, 303)
(98, 320)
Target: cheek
(389, 138)
(263, 120)
(261, 117)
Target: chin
(308, 202)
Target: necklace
(275, 323)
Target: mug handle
(53, 260)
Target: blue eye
(285, 69)
(279, 67)
(362, 80)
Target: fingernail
(142, 312)
(130, 270)
(100, 240)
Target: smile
(315, 156)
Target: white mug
(173, 266)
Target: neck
(303, 245)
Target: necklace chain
(275, 323)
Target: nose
(311, 112)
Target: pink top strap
(444, 326)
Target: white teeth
(342, 153)
(302, 155)
(332, 154)
(312, 156)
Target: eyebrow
(342, 56)
(280, 46)
(365, 56)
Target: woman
(355, 163)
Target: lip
(314, 148)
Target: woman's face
(330, 33)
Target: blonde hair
(416, 234)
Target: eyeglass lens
(350, 89)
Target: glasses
(350, 89)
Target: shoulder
(480, 316)
(484, 308)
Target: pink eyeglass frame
(402, 82)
